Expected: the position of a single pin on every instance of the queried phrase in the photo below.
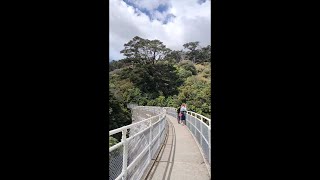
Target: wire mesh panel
(172, 112)
(137, 144)
(138, 128)
(164, 128)
(138, 169)
(197, 123)
(154, 147)
(139, 114)
(201, 132)
(200, 129)
(205, 148)
(154, 119)
(188, 122)
(155, 130)
(130, 158)
(192, 120)
(115, 163)
(205, 131)
(191, 128)
(199, 136)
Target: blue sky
(174, 22)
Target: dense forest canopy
(154, 75)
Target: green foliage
(205, 54)
(196, 94)
(114, 65)
(170, 101)
(174, 56)
(143, 51)
(193, 53)
(153, 75)
(197, 54)
(112, 141)
(151, 102)
(161, 101)
(191, 45)
(118, 114)
(189, 66)
(154, 79)
(184, 74)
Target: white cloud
(191, 23)
(149, 4)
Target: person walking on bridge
(183, 111)
(178, 115)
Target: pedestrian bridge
(155, 146)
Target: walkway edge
(149, 168)
(204, 159)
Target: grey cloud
(198, 30)
(191, 24)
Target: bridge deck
(180, 157)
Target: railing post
(125, 153)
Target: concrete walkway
(180, 157)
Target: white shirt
(183, 109)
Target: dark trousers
(183, 118)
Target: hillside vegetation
(154, 75)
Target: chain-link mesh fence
(144, 138)
(130, 158)
(115, 162)
(200, 129)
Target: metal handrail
(161, 125)
(202, 138)
(154, 141)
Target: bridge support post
(125, 153)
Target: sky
(174, 22)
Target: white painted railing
(140, 142)
(200, 128)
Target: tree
(188, 65)
(193, 51)
(160, 77)
(192, 46)
(174, 56)
(143, 51)
(161, 101)
(118, 114)
(204, 54)
(196, 93)
(132, 48)
(207, 52)
(157, 50)
(153, 79)
(122, 63)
